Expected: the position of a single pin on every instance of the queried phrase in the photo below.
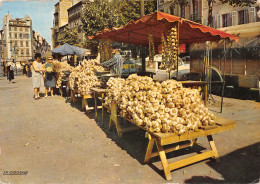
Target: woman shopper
(50, 80)
(37, 75)
(10, 72)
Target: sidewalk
(57, 143)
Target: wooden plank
(191, 160)
(175, 148)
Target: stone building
(40, 45)
(74, 21)
(17, 35)
(60, 19)
(21, 42)
(189, 9)
(68, 16)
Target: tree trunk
(210, 18)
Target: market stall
(167, 112)
(153, 29)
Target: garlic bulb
(165, 107)
(83, 77)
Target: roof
(157, 23)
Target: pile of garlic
(83, 77)
(160, 107)
(115, 86)
(64, 66)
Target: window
(171, 10)
(21, 43)
(252, 14)
(213, 22)
(234, 18)
(15, 35)
(22, 52)
(243, 17)
(15, 28)
(26, 36)
(27, 52)
(15, 43)
(226, 20)
(27, 44)
(218, 21)
(195, 10)
(21, 35)
(21, 29)
(182, 10)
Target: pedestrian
(115, 64)
(24, 69)
(10, 71)
(49, 80)
(37, 75)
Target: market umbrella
(137, 32)
(67, 49)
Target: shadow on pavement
(240, 166)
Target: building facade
(17, 35)
(40, 45)
(74, 14)
(68, 16)
(189, 9)
(20, 41)
(60, 19)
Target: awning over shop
(136, 32)
(68, 49)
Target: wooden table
(85, 97)
(164, 139)
(99, 92)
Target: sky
(40, 11)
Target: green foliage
(98, 15)
(69, 36)
(102, 14)
(239, 2)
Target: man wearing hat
(115, 63)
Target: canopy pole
(142, 7)
(178, 41)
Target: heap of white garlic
(64, 66)
(165, 107)
(83, 77)
(115, 85)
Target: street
(50, 141)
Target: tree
(98, 15)
(130, 9)
(102, 14)
(70, 36)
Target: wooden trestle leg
(149, 148)
(213, 147)
(166, 169)
(114, 119)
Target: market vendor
(115, 64)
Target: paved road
(57, 143)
